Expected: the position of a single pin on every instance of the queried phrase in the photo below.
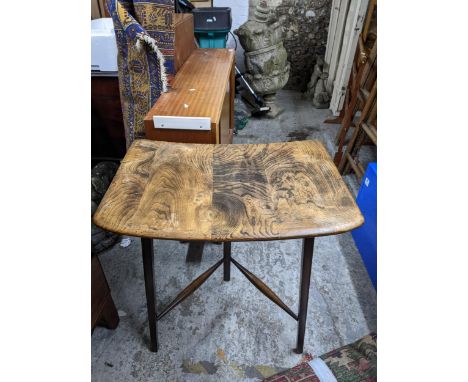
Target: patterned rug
(144, 31)
(356, 362)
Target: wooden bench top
(227, 192)
(199, 87)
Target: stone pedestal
(275, 110)
(265, 56)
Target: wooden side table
(227, 193)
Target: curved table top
(227, 192)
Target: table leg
(307, 254)
(227, 260)
(148, 269)
(195, 251)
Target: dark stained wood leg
(227, 260)
(307, 254)
(109, 317)
(265, 289)
(192, 287)
(195, 251)
(337, 157)
(148, 269)
(103, 310)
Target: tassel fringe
(151, 42)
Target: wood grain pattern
(227, 193)
(184, 43)
(225, 130)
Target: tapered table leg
(227, 260)
(148, 269)
(195, 251)
(307, 254)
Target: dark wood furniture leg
(109, 315)
(307, 255)
(103, 310)
(227, 260)
(195, 251)
(148, 269)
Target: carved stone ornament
(265, 56)
(316, 88)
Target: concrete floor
(228, 331)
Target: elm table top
(233, 192)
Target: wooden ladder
(366, 128)
(360, 101)
(362, 68)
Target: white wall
(240, 14)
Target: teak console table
(227, 193)
(202, 88)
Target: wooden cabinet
(107, 126)
(103, 311)
(203, 87)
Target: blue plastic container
(211, 26)
(212, 39)
(365, 236)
